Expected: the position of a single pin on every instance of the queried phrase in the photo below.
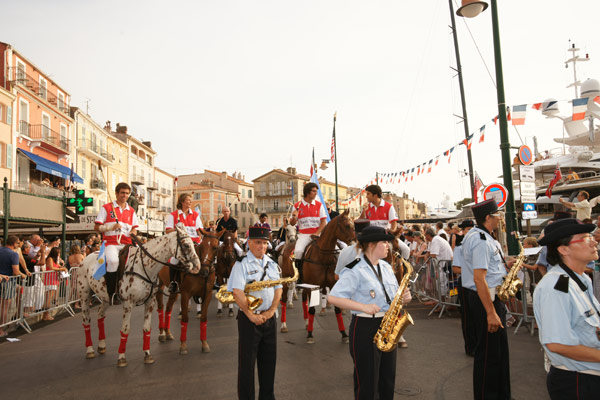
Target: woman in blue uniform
(567, 313)
(367, 286)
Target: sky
(252, 85)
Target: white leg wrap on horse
(238, 249)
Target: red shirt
(381, 215)
(310, 216)
(127, 219)
(191, 221)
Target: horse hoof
(101, 350)
(121, 363)
(206, 349)
(230, 314)
(179, 316)
(90, 355)
(345, 339)
(148, 359)
(162, 338)
(290, 305)
(310, 340)
(284, 329)
(170, 336)
(198, 315)
(322, 312)
(183, 352)
(219, 313)
(295, 295)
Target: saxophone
(511, 284)
(226, 297)
(394, 321)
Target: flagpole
(335, 163)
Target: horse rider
(192, 222)
(229, 223)
(567, 313)
(482, 272)
(352, 252)
(378, 211)
(262, 223)
(257, 335)
(367, 286)
(311, 217)
(117, 221)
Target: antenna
(87, 105)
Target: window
(197, 196)
(243, 207)
(21, 72)
(2, 119)
(83, 172)
(276, 204)
(45, 125)
(61, 100)
(250, 207)
(149, 160)
(24, 118)
(9, 154)
(43, 91)
(64, 144)
(9, 115)
(243, 221)
(243, 192)
(220, 208)
(249, 193)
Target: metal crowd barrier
(47, 291)
(436, 282)
(524, 315)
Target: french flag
(482, 134)
(579, 108)
(429, 166)
(518, 115)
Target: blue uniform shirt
(562, 321)
(458, 260)
(347, 255)
(251, 269)
(480, 251)
(360, 284)
(541, 260)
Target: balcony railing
(163, 209)
(38, 188)
(45, 135)
(95, 148)
(152, 203)
(275, 193)
(19, 77)
(137, 179)
(152, 185)
(97, 184)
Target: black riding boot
(111, 287)
(299, 268)
(174, 285)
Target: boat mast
(574, 59)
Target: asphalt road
(50, 363)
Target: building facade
(6, 136)
(208, 198)
(164, 193)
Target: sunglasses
(587, 239)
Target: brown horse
(287, 270)
(199, 286)
(226, 257)
(320, 258)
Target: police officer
(468, 329)
(568, 314)
(482, 272)
(367, 286)
(256, 328)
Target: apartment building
(164, 193)
(209, 198)
(6, 136)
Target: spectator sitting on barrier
(9, 266)
(51, 279)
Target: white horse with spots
(137, 286)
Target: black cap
(374, 234)
(467, 223)
(361, 224)
(255, 232)
(487, 207)
(564, 228)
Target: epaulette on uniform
(353, 263)
(482, 236)
(562, 284)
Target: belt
(587, 371)
(376, 315)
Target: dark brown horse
(285, 262)
(199, 286)
(394, 258)
(226, 257)
(320, 258)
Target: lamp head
(471, 8)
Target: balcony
(18, 77)
(152, 203)
(275, 193)
(46, 137)
(137, 179)
(92, 149)
(162, 209)
(152, 185)
(98, 185)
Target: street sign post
(497, 192)
(525, 155)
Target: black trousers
(491, 369)
(374, 370)
(567, 385)
(466, 321)
(257, 345)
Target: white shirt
(584, 210)
(440, 248)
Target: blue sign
(528, 207)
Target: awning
(50, 167)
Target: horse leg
(148, 308)
(219, 304)
(341, 327)
(160, 307)
(230, 314)
(309, 328)
(305, 294)
(283, 302)
(323, 302)
(294, 296)
(125, 328)
(101, 334)
(167, 323)
(84, 295)
(185, 300)
(203, 319)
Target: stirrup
(173, 287)
(115, 300)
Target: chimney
(148, 143)
(121, 128)
(107, 126)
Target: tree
(460, 204)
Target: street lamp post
(471, 9)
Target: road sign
(529, 214)
(525, 155)
(527, 173)
(527, 189)
(528, 207)
(80, 202)
(497, 192)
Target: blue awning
(52, 168)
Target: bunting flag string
(481, 134)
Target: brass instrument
(394, 321)
(226, 297)
(511, 284)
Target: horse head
(291, 234)
(344, 228)
(207, 251)
(183, 249)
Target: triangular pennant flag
(450, 154)
(482, 134)
(495, 120)
(519, 114)
(579, 108)
(597, 99)
(537, 106)
(429, 166)
(508, 117)
(437, 159)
